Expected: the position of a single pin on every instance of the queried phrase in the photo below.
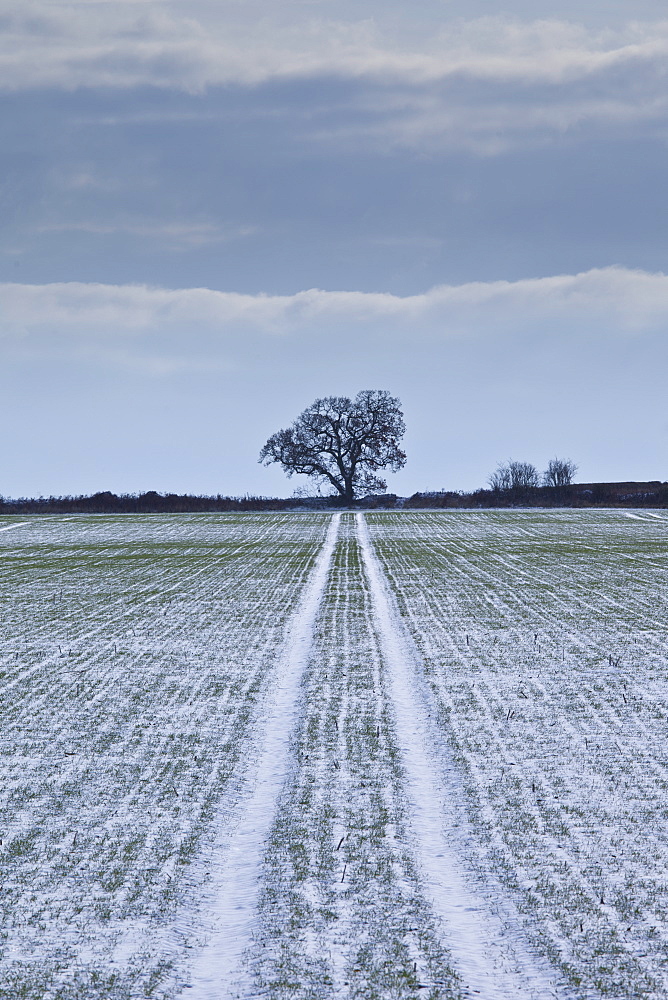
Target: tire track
(491, 957)
(342, 912)
(221, 969)
(561, 753)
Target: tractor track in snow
(220, 970)
(481, 930)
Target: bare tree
(514, 475)
(500, 478)
(560, 472)
(524, 474)
(343, 442)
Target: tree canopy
(343, 442)
(514, 475)
(559, 472)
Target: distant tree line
(140, 503)
(648, 494)
(341, 445)
(519, 484)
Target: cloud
(176, 235)
(484, 84)
(191, 47)
(168, 329)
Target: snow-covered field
(135, 652)
(300, 755)
(543, 638)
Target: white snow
(19, 524)
(493, 961)
(219, 970)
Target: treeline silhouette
(139, 503)
(650, 494)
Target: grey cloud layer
(290, 186)
(257, 145)
(121, 44)
(582, 74)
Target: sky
(215, 212)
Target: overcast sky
(215, 212)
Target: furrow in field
(487, 579)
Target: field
(387, 755)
